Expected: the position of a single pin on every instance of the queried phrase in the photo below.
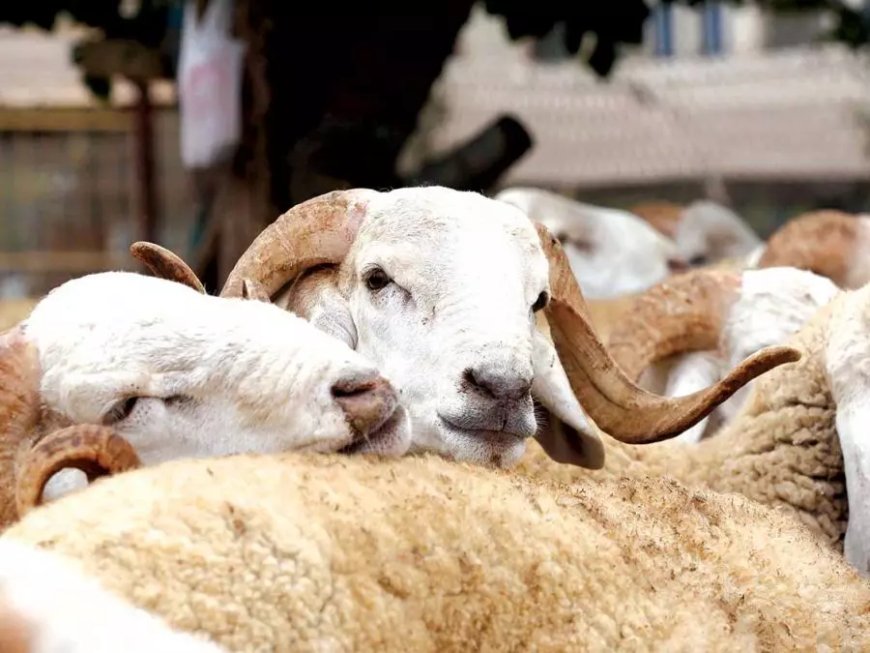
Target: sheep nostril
(497, 385)
(366, 402)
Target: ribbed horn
(617, 405)
(317, 232)
(165, 264)
(95, 450)
(681, 314)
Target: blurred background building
(749, 106)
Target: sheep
(798, 441)
(747, 312)
(117, 369)
(296, 552)
(48, 606)
(709, 233)
(611, 252)
(830, 243)
(463, 303)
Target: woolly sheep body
(300, 552)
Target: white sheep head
(611, 252)
(708, 232)
(116, 368)
(447, 293)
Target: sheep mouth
(391, 437)
(491, 437)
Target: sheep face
(450, 285)
(464, 303)
(611, 252)
(179, 373)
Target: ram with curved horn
(446, 292)
(799, 439)
(116, 369)
(685, 333)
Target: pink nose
(367, 402)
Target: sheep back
(303, 553)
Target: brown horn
(165, 264)
(820, 241)
(20, 412)
(319, 231)
(619, 407)
(95, 450)
(681, 314)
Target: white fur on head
(611, 252)
(438, 289)
(709, 232)
(51, 607)
(211, 376)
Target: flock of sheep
(677, 461)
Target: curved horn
(165, 264)
(681, 314)
(95, 450)
(319, 231)
(618, 406)
(20, 412)
(820, 241)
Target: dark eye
(700, 259)
(542, 300)
(377, 279)
(120, 411)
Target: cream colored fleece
(328, 553)
(782, 449)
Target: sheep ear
(316, 298)
(847, 361)
(568, 435)
(692, 372)
(852, 419)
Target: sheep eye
(377, 279)
(542, 300)
(695, 261)
(120, 411)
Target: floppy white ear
(853, 420)
(692, 372)
(847, 361)
(569, 435)
(316, 298)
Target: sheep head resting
(174, 373)
(473, 312)
(611, 252)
